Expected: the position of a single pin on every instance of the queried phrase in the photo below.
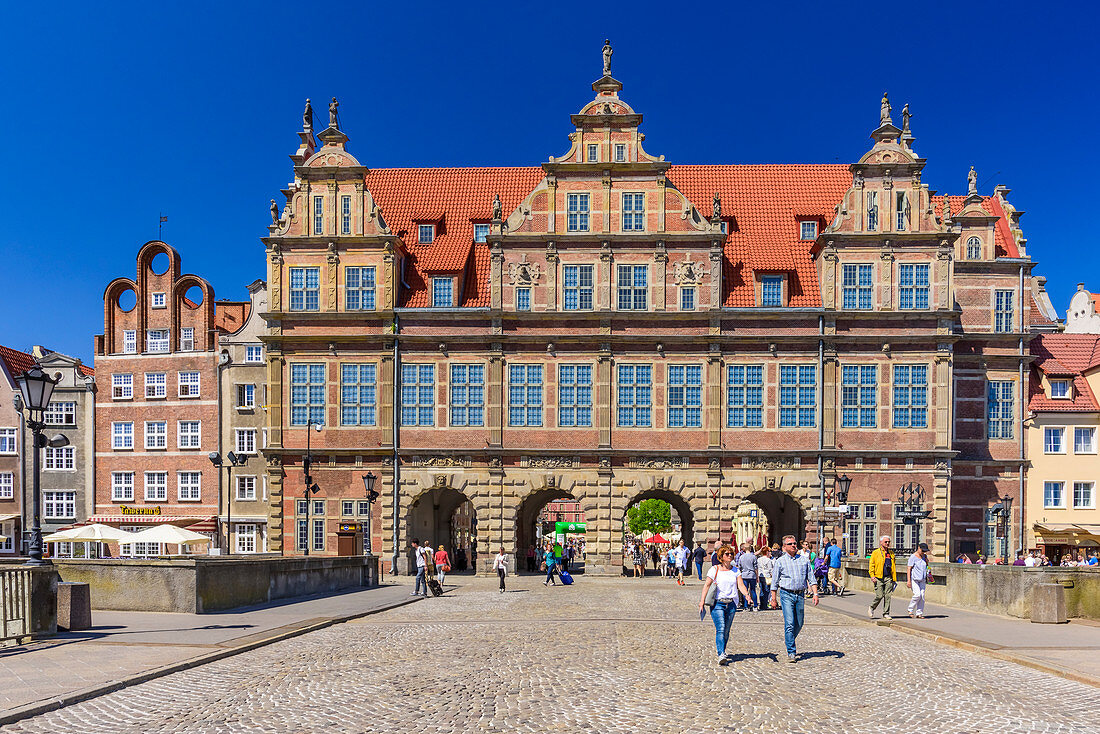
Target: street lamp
(843, 484)
(1003, 512)
(36, 388)
(311, 488)
(231, 460)
(368, 484)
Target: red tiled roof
(17, 362)
(766, 203)
(1064, 355)
(86, 370)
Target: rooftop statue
(307, 117)
(333, 120)
(884, 111)
(607, 56)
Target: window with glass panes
(577, 288)
(771, 291)
(254, 353)
(913, 286)
(687, 298)
(481, 232)
(797, 396)
(187, 434)
(1054, 495)
(467, 395)
(872, 211)
(593, 153)
(156, 340)
(359, 289)
(910, 396)
(901, 211)
(187, 339)
(189, 485)
(358, 383)
(307, 394)
(156, 384)
(443, 292)
(1084, 440)
(305, 289)
(122, 486)
(525, 395)
(574, 395)
(59, 459)
(318, 215)
(156, 486)
(906, 537)
(633, 287)
(302, 537)
(319, 535)
(426, 234)
(59, 505)
(685, 396)
(856, 286)
(122, 387)
(745, 396)
(245, 535)
(633, 212)
(158, 300)
(620, 152)
(807, 230)
(870, 537)
(851, 545)
(1082, 494)
(1054, 440)
(417, 395)
(156, 434)
(1059, 388)
(129, 341)
(1002, 311)
(576, 217)
(345, 215)
(245, 440)
(7, 441)
(1000, 408)
(122, 435)
(859, 396)
(523, 298)
(246, 487)
(7, 485)
(635, 393)
(60, 413)
(246, 396)
(973, 249)
(188, 384)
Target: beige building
(1064, 415)
(1082, 316)
(243, 406)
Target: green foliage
(649, 516)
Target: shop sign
(151, 510)
(1054, 539)
(348, 527)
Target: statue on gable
(274, 212)
(972, 181)
(307, 117)
(333, 118)
(884, 111)
(905, 118)
(717, 204)
(607, 56)
(498, 209)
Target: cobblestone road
(602, 656)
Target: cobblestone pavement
(605, 655)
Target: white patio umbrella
(168, 534)
(94, 533)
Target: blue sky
(117, 112)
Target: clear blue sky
(116, 112)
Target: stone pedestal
(1048, 604)
(74, 606)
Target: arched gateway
(506, 500)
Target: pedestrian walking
(500, 565)
(791, 577)
(681, 562)
(421, 567)
(670, 562)
(726, 577)
(532, 566)
(883, 570)
(699, 555)
(442, 564)
(639, 561)
(551, 565)
(764, 566)
(570, 552)
(654, 556)
(836, 571)
(919, 575)
(746, 562)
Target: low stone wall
(995, 589)
(210, 584)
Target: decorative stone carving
(716, 204)
(972, 182)
(549, 462)
(941, 465)
(440, 480)
(523, 272)
(607, 52)
(275, 461)
(658, 463)
(905, 118)
(440, 461)
(884, 111)
(687, 272)
(333, 114)
(498, 209)
(768, 463)
(714, 465)
(495, 462)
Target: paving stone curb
(19, 713)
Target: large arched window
(973, 249)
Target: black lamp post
(1003, 512)
(843, 484)
(368, 484)
(311, 488)
(231, 460)
(36, 388)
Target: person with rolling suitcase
(421, 569)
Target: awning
(204, 526)
(146, 519)
(4, 518)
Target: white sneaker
(870, 612)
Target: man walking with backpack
(421, 569)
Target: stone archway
(430, 519)
(527, 519)
(680, 506)
(784, 513)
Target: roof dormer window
(973, 249)
(426, 234)
(442, 292)
(481, 232)
(1059, 389)
(807, 230)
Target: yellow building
(1061, 509)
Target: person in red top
(442, 564)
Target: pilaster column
(660, 203)
(714, 397)
(941, 509)
(275, 398)
(552, 202)
(886, 278)
(604, 369)
(944, 276)
(829, 378)
(496, 275)
(943, 407)
(551, 276)
(275, 522)
(716, 274)
(389, 276)
(386, 409)
(605, 276)
(660, 271)
(496, 394)
(829, 276)
(607, 202)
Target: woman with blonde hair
(726, 578)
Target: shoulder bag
(712, 592)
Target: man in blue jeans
(699, 555)
(791, 576)
(421, 565)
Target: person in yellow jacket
(883, 570)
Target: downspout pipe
(1023, 407)
(396, 424)
(821, 424)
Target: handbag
(446, 568)
(712, 593)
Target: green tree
(649, 516)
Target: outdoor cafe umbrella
(658, 538)
(94, 533)
(168, 534)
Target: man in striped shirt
(791, 576)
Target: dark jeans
(420, 581)
(750, 584)
(699, 569)
(763, 592)
(722, 613)
(500, 573)
(550, 569)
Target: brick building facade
(609, 327)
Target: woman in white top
(727, 577)
(500, 563)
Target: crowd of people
(1034, 558)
